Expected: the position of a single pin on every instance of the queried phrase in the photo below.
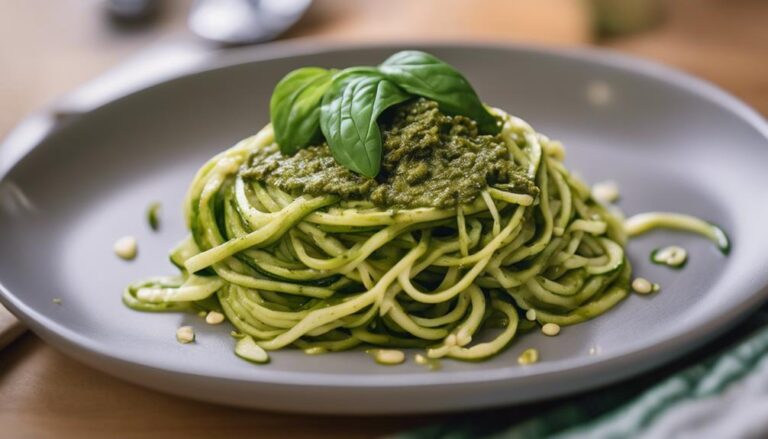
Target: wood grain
(57, 45)
(45, 394)
(10, 327)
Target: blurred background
(51, 47)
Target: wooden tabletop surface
(50, 47)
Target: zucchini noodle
(323, 274)
(644, 222)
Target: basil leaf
(348, 119)
(425, 75)
(295, 107)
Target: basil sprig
(295, 107)
(345, 105)
(348, 120)
(422, 74)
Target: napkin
(720, 391)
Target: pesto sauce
(430, 159)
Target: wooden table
(51, 47)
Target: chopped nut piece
(387, 356)
(214, 318)
(185, 334)
(551, 329)
(642, 286)
(125, 247)
(529, 356)
(605, 192)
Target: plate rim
(650, 354)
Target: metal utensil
(236, 22)
(132, 11)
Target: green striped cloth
(721, 391)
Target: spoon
(235, 22)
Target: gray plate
(671, 141)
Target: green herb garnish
(422, 74)
(295, 107)
(345, 105)
(348, 120)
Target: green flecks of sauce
(430, 159)
(153, 216)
